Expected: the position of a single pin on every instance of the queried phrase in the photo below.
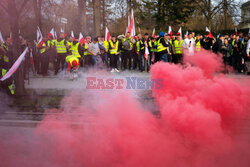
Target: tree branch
(22, 6)
(5, 8)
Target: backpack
(126, 45)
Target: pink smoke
(200, 125)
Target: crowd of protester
(122, 52)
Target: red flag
(236, 31)
(131, 27)
(153, 35)
(146, 53)
(210, 35)
(52, 33)
(170, 32)
(39, 38)
(81, 39)
(179, 32)
(107, 35)
(72, 35)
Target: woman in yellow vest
(113, 50)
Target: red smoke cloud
(199, 113)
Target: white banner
(15, 66)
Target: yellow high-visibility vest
(71, 58)
(178, 46)
(60, 46)
(198, 46)
(113, 51)
(74, 50)
(160, 47)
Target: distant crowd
(122, 52)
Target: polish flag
(153, 34)
(131, 27)
(179, 32)
(236, 31)
(146, 53)
(170, 32)
(81, 39)
(62, 32)
(39, 37)
(72, 35)
(210, 35)
(107, 35)
(31, 58)
(52, 33)
(1, 38)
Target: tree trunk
(225, 7)
(103, 15)
(97, 17)
(37, 5)
(80, 15)
(14, 26)
(209, 18)
(84, 20)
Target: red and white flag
(107, 35)
(131, 27)
(81, 39)
(153, 34)
(62, 32)
(236, 31)
(52, 33)
(179, 32)
(14, 66)
(170, 32)
(146, 53)
(1, 38)
(210, 35)
(39, 37)
(72, 35)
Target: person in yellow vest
(44, 57)
(113, 50)
(7, 85)
(61, 48)
(178, 50)
(163, 47)
(198, 43)
(4, 59)
(140, 48)
(72, 63)
(127, 47)
(87, 54)
(76, 50)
